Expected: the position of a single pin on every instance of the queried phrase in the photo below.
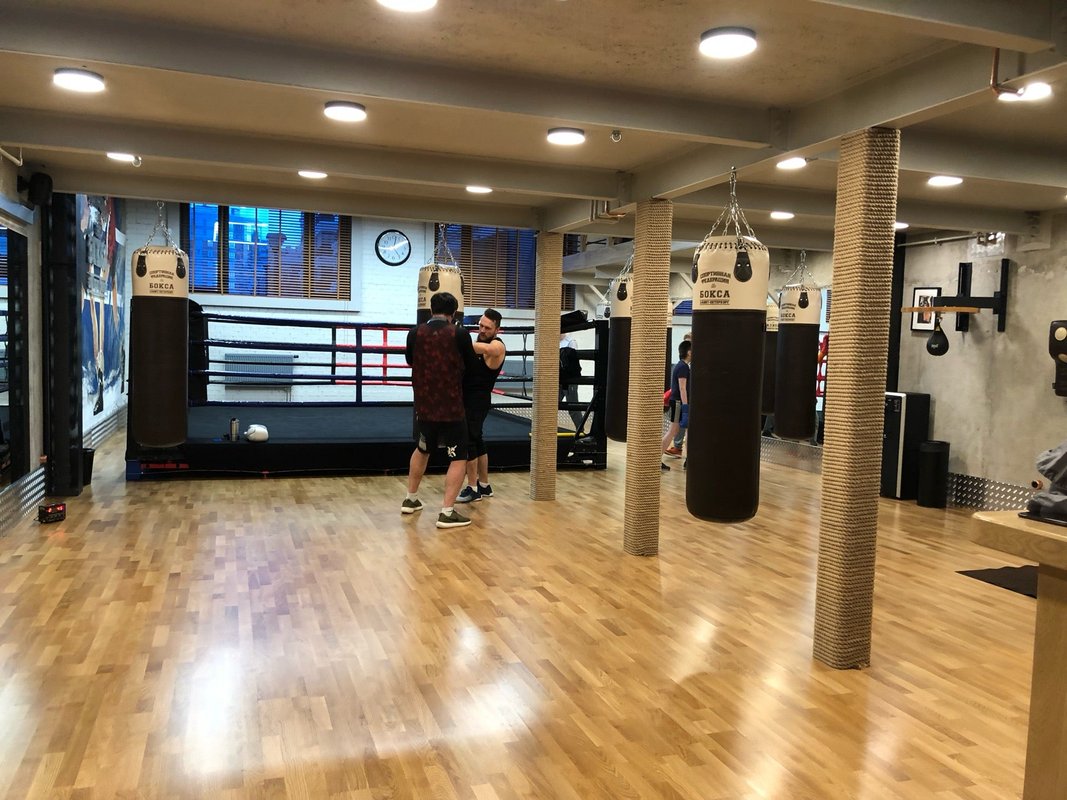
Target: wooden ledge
(1037, 541)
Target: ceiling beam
(823, 204)
(1025, 25)
(988, 160)
(137, 41)
(685, 230)
(938, 84)
(84, 134)
(129, 184)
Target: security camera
(616, 135)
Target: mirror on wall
(13, 385)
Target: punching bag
(159, 347)
(797, 363)
(620, 292)
(434, 278)
(730, 275)
(770, 353)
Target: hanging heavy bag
(434, 278)
(159, 347)
(797, 363)
(729, 316)
(770, 354)
(618, 375)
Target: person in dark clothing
(478, 382)
(439, 352)
(678, 410)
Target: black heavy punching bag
(159, 347)
(726, 381)
(620, 292)
(798, 361)
(434, 278)
(770, 353)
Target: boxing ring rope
(340, 360)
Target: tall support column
(648, 340)
(859, 326)
(549, 298)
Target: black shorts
(452, 436)
(475, 441)
(674, 411)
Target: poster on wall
(101, 250)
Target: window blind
(3, 256)
(267, 252)
(499, 265)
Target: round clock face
(392, 247)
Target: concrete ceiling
(224, 103)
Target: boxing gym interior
(777, 483)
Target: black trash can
(933, 474)
(87, 465)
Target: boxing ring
(336, 399)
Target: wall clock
(392, 247)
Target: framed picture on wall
(923, 297)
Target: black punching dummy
(770, 353)
(726, 381)
(159, 347)
(620, 292)
(434, 278)
(798, 362)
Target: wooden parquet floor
(301, 639)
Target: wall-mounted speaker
(38, 188)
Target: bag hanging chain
(442, 254)
(161, 225)
(733, 216)
(802, 272)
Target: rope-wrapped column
(648, 341)
(549, 298)
(859, 319)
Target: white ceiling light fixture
(901, 226)
(78, 80)
(343, 111)
(566, 136)
(726, 43)
(796, 162)
(783, 215)
(1029, 93)
(408, 6)
(312, 174)
(942, 181)
(125, 158)
(473, 189)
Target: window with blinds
(499, 265)
(267, 252)
(3, 256)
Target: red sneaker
(673, 452)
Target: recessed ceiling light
(727, 42)
(945, 180)
(1029, 93)
(900, 226)
(479, 189)
(782, 215)
(345, 112)
(312, 174)
(408, 6)
(78, 80)
(128, 158)
(796, 162)
(566, 136)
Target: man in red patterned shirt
(439, 352)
